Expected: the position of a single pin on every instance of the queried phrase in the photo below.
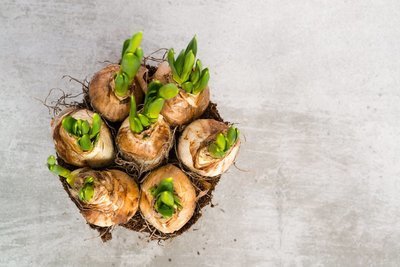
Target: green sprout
(60, 171)
(223, 142)
(131, 59)
(154, 101)
(87, 191)
(167, 202)
(85, 133)
(187, 71)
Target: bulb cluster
(177, 94)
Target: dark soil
(203, 185)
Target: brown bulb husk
(193, 148)
(183, 188)
(103, 99)
(148, 148)
(67, 146)
(185, 107)
(115, 199)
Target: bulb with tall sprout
(144, 137)
(81, 138)
(105, 198)
(188, 74)
(208, 147)
(111, 87)
(168, 199)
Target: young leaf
(78, 127)
(86, 192)
(220, 141)
(75, 128)
(167, 198)
(150, 99)
(195, 75)
(188, 87)
(89, 192)
(81, 194)
(139, 125)
(121, 84)
(135, 125)
(177, 79)
(155, 108)
(228, 145)
(171, 62)
(85, 143)
(179, 62)
(187, 66)
(58, 170)
(51, 160)
(130, 64)
(135, 42)
(192, 46)
(157, 203)
(166, 184)
(132, 109)
(96, 125)
(68, 124)
(166, 201)
(177, 201)
(70, 180)
(85, 127)
(153, 120)
(89, 180)
(205, 76)
(199, 65)
(168, 91)
(139, 53)
(231, 135)
(215, 151)
(125, 46)
(152, 92)
(144, 120)
(165, 210)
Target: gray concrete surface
(314, 86)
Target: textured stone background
(313, 84)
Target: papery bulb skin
(67, 147)
(148, 148)
(193, 148)
(115, 200)
(105, 101)
(183, 189)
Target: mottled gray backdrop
(314, 86)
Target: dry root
(67, 100)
